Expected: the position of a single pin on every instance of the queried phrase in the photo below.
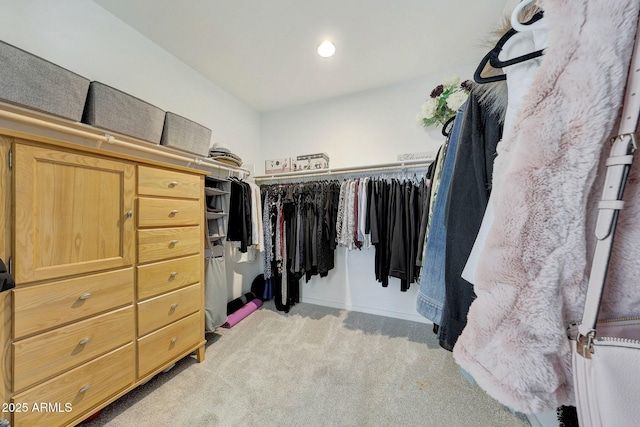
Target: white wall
(365, 128)
(83, 37)
(361, 129)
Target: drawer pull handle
(174, 306)
(173, 183)
(173, 242)
(173, 212)
(173, 275)
(85, 340)
(84, 296)
(85, 388)
(173, 340)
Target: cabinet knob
(173, 183)
(173, 212)
(84, 341)
(84, 296)
(130, 214)
(173, 275)
(85, 388)
(173, 242)
(174, 306)
(173, 340)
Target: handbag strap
(618, 165)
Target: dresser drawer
(159, 182)
(77, 390)
(168, 212)
(162, 243)
(164, 276)
(164, 309)
(42, 307)
(164, 344)
(45, 355)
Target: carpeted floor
(315, 366)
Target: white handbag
(606, 353)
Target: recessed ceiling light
(326, 49)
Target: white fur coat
(532, 274)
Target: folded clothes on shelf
(223, 154)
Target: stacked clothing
(223, 154)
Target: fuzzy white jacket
(532, 275)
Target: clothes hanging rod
(399, 166)
(73, 129)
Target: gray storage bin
(114, 110)
(30, 81)
(186, 135)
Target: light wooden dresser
(107, 251)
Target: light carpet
(315, 366)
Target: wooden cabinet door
(73, 213)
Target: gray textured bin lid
(30, 81)
(186, 135)
(111, 109)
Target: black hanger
(445, 131)
(492, 56)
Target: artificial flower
(444, 101)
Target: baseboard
(370, 310)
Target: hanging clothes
(257, 233)
(393, 214)
(239, 228)
(470, 188)
(531, 275)
(424, 217)
(519, 79)
(379, 219)
(299, 236)
(356, 214)
(431, 295)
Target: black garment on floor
(469, 190)
(236, 304)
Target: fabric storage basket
(114, 110)
(30, 81)
(186, 135)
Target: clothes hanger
(495, 61)
(527, 26)
(445, 131)
(492, 56)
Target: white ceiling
(264, 51)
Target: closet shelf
(215, 179)
(216, 215)
(38, 122)
(383, 167)
(212, 191)
(215, 252)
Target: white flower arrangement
(444, 101)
